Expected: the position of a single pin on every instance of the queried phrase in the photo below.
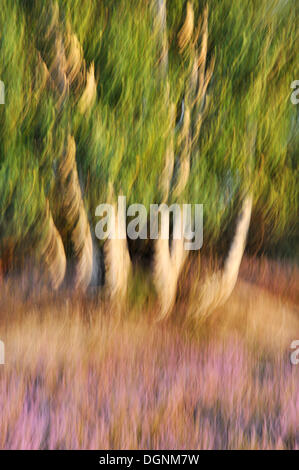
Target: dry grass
(78, 376)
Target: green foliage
(249, 137)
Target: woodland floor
(77, 376)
